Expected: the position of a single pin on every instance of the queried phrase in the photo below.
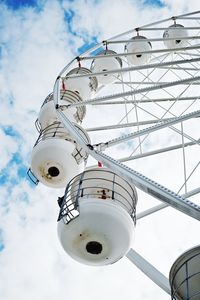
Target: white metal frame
(168, 197)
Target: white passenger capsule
(106, 64)
(56, 158)
(175, 33)
(48, 116)
(83, 86)
(137, 45)
(97, 217)
(185, 276)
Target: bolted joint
(90, 147)
(101, 146)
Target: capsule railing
(185, 281)
(76, 192)
(54, 130)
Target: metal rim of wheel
(147, 118)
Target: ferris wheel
(123, 119)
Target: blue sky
(154, 3)
(17, 161)
(37, 39)
(17, 4)
(87, 42)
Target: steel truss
(185, 74)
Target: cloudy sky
(37, 39)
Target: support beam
(149, 270)
(165, 28)
(157, 151)
(137, 101)
(149, 82)
(125, 125)
(163, 205)
(122, 54)
(192, 37)
(148, 130)
(133, 177)
(189, 80)
(189, 18)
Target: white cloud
(8, 148)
